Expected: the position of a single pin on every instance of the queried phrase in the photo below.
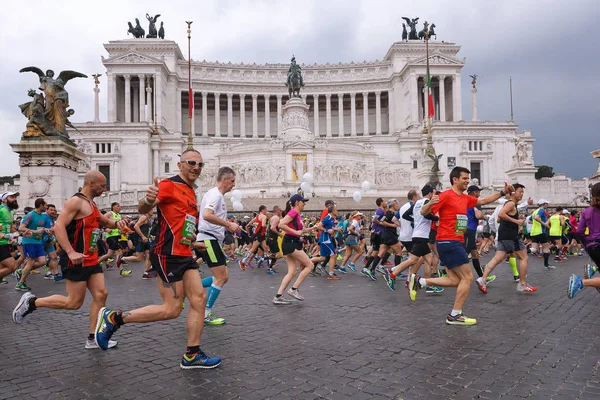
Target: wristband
(147, 202)
(502, 194)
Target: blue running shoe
(575, 286)
(371, 275)
(269, 271)
(391, 282)
(343, 270)
(589, 270)
(259, 262)
(364, 271)
(200, 360)
(352, 267)
(105, 327)
(58, 277)
(433, 289)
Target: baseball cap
(296, 198)
(231, 216)
(246, 217)
(473, 188)
(329, 203)
(5, 195)
(565, 211)
(543, 201)
(426, 190)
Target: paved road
(350, 339)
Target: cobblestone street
(351, 338)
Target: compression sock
(477, 267)
(213, 293)
(397, 259)
(546, 257)
(369, 260)
(385, 258)
(375, 263)
(192, 350)
(513, 266)
(206, 282)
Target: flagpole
(190, 93)
(511, 101)
(429, 150)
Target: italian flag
(430, 91)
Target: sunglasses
(193, 163)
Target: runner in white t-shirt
(211, 230)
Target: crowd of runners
(431, 242)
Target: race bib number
(187, 234)
(461, 224)
(94, 240)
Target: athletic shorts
(351, 240)
(555, 238)
(487, 235)
(229, 239)
(171, 268)
(273, 245)
(49, 247)
(4, 252)
(290, 244)
(213, 256)
(541, 238)
(79, 273)
(452, 253)
(432, 236)
(326, 249)
(407, 245)
(141, 246)
(259, 238)
(34, 250)
(508, 246)
(123, 245)
(470, 240)
(420, 247)
(113, 243)
(375, 240)
(389, 239)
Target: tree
(8, 179)
(544, 171)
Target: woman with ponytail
(588, 230)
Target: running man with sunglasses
(171, 258)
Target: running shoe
(575, 286)
(199, 360)
(18, 273)
(314, 272)
(4, 281)
(321, 269)
(343, 270)
(34, 272)
(380, 269)
(589, 270)
(269, 271)
(105, 327)
(391, 282)
(526, 288)
(49, 276)
(58, 277)
(371, 274)
(481, 285)
(281, 300)
(242, 265)
(295, 294)
(91, 344)
(517, 278)
(549, 267)
(22, 308)
(125, 272)
(364, 271)
(211, 319)
(148, 275)
(352, 267)
(433, 289)
(333, 277)
(259, 262)
(413, 286)
(22, 286)
(490, 279)
(460, 319)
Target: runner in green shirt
(7, 263)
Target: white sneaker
(295, 294)
(281, 300)
(91, 344)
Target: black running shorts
(213, 256)
(420, 247)
(79, 273)
(171, 268)
(4, 252)
(291, 244)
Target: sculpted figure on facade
(137, 31)
(412, 23)
(521, 157)
(404, 32)
(294, 81)
(152, 33)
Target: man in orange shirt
(451, 206)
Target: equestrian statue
(294, 81)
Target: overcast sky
(548, 49)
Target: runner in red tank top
(259, 239)
(77, 231)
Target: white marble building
(365, 119)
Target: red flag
(191, 101)
(430, 93)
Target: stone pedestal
(48, 170)
(295, 121)
(525, 175)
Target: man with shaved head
(77, 231)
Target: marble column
(96, 104)
(474, 99)
(414, 98)
(178, 113)
(391, 112)
(456, 98)
(142, 97)
(353, 114)
(316, 114)
(158, 95)
(267, 117)
(127, 97)
(279, 98)
(254, 115)
(340, 115)
(112, 96)
(229, 114)
(204, 114)
(135, 108)
(328, 109)
(217, 115)
(242, 115)
(365, 113)
(442, 98)
(378, 113)
(156, 163)
(150, 101)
